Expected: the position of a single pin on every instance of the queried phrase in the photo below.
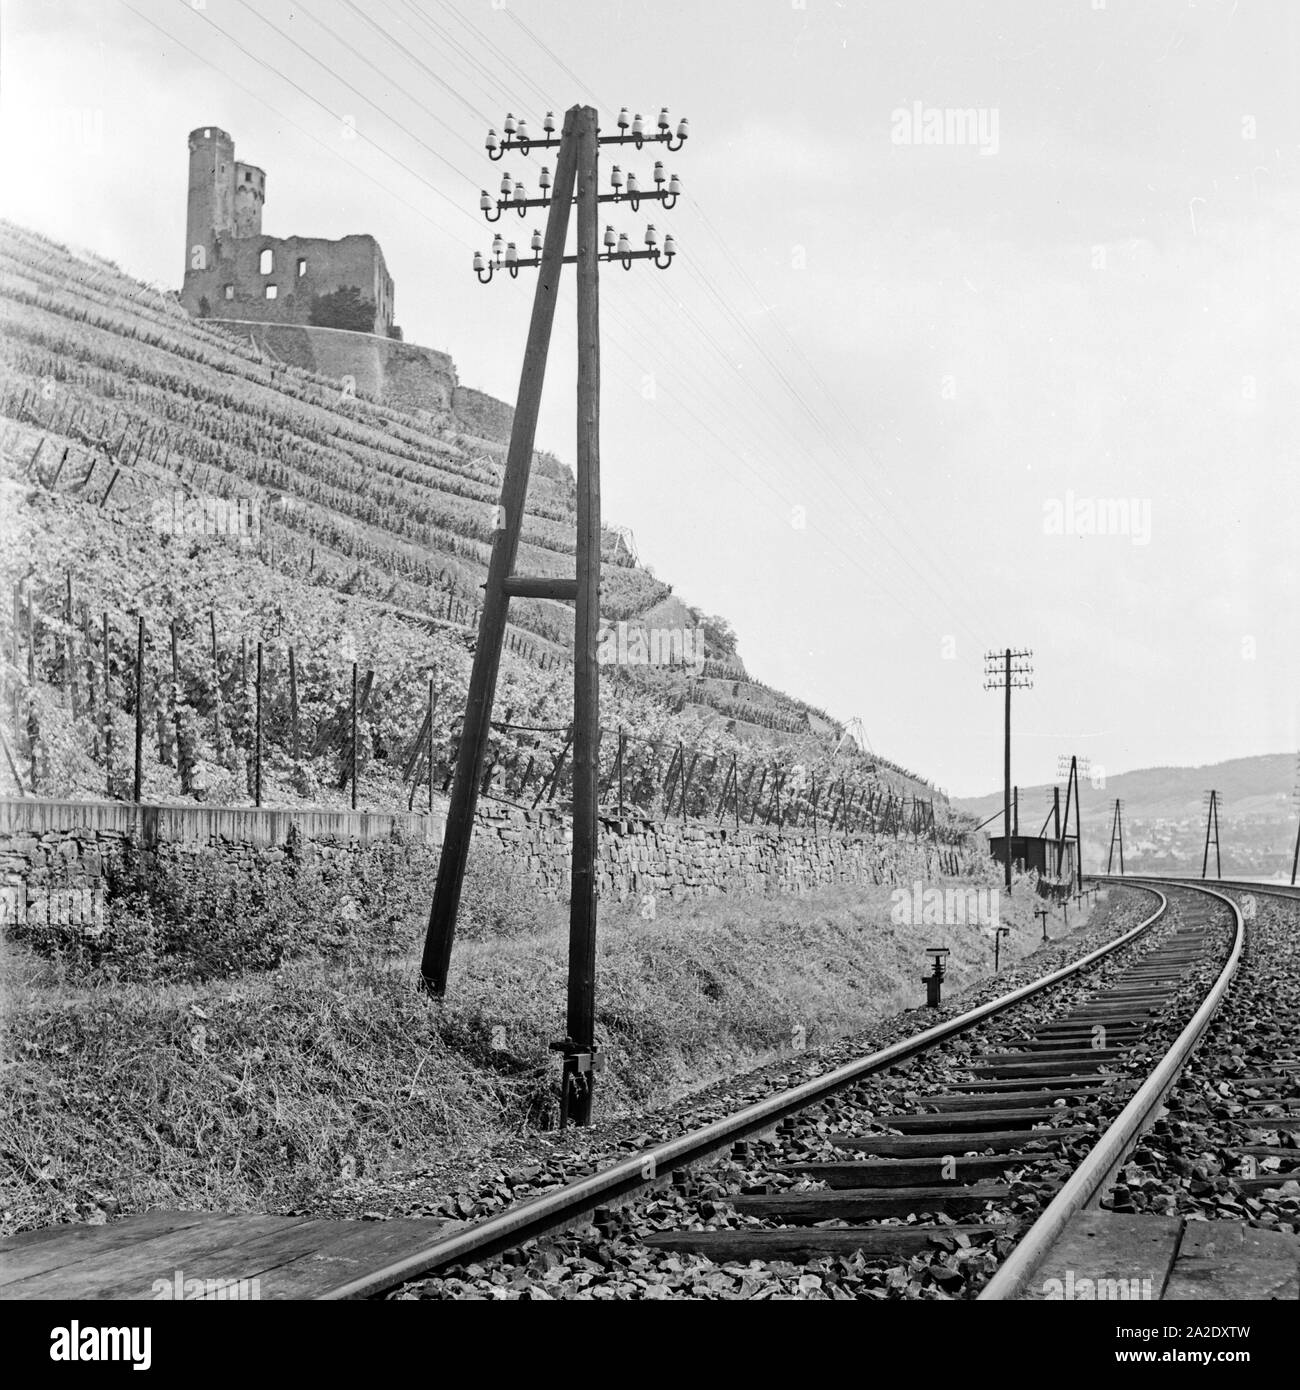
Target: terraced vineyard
(370, 530)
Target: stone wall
(55, 855)
(402, 375)
(234, 285)
(695, 860)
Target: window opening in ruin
(267, 262)
(271, 291)
(302, 266)
(230, 291)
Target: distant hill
(1164, 815)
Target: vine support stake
(108, 713)
(257, 744)
(139, 712)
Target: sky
(982, 330)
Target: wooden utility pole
(577, 172)
(1295, 795)
(579, 1080)
(1078, 827)
(496, 596)
(1116, 834)
(1212, 818)
(1001, 674)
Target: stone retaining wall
(689, 860)
(54, 855)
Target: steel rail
(1287, 891)
(1089, 1179)
(554, 1210)
(1272, 886)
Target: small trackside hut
(1054, 861)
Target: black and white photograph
(649, 652)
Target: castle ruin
(233, 271)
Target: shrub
(343, 308)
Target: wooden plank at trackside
(206, 1251)
(1230, 1260)
(33, 1252)
(343, 1250)
(1106, 1255)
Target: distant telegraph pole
(1117, 835)
(1007, 670)
(1295, 796)
(1211, 819)
(576, 180)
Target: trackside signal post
(575, 180)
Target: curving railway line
(972, 1154)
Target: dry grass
(262, 1089)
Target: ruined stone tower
(234, 272)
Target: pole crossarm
(631, 131)
(486, 269)
(521, 205)
(626, 189)
(1007, 670)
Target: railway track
(964, 1151)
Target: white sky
(922, 346)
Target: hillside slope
(160, 467)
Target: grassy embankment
(162, 1076)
